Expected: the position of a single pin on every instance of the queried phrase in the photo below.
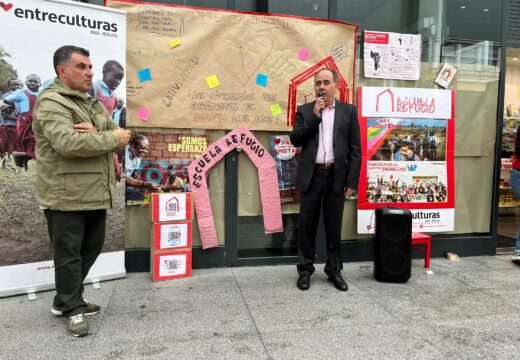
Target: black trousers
(320, 195)
(77, 238)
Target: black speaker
(393, 245)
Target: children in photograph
(116, 115)
(173, 182)
(421, 139)
(23, 101)
(8, 122)
(397, 191)
(103, 90)
(405, 153)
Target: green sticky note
(276, 109)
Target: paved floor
(469, 309)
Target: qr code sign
(174, 234)
(170, 206)
(172, 264)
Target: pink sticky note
(303, 54)
(143, 114)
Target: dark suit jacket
(346, 145)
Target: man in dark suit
(328, 132)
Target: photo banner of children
(26, 69)
(406, 139)
(408, 160)
(157, 163)
(286, 156)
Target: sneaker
(92, 309)
(78, 325)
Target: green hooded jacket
(75, 171)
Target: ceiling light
(514, 59)
(463, 7)
(485, 10)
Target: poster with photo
(157, 163)
(390, 55)
(408, 156)
(286, 156)
(32, 30)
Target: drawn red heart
(276, 141)
(5, 6)
(242, 58)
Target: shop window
(310, 8)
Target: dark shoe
(304, 282)
(91, 309)
(338, 282)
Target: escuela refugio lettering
(415, 105)
(72, 20)
(212, 152)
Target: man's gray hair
(64, 53)
(334, 74)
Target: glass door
(508, 204)
(252, 244)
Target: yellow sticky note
(212, 81)
(175, 42)
(276, 109)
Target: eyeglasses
(141, 147)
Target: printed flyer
(286, 156)
(392, 56)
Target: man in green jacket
(75, 185)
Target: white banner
(31, 31)
(424, 220)
(39, 276)
(396, 102)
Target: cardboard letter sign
(267, 176)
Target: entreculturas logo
(72, 20)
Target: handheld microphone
(321, 94)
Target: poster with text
(392, 56)
(159, 161)
(200, 68)
(31, 31)
(286, 156)
(408, 158)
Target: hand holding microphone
(320, 104)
